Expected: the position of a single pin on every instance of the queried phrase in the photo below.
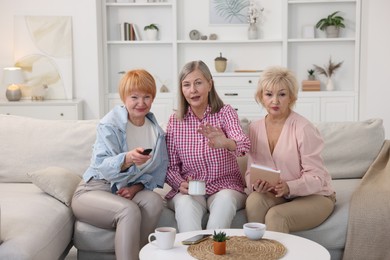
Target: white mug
(196, 187)
(164, 237)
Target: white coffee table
(297, 247)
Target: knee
(276, 220)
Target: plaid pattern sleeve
(191, 157)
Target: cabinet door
(309, 108)
(337, 109)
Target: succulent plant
(220, 236)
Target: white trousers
(189, 210)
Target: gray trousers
(134, 220)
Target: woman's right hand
(135, 156)
(262, 186)
(183, 189)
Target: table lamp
(12, 77)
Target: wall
(85, 43)
(375, 62)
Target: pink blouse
(297, 155)
(190, 155)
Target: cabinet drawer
(237, 93)
(42, 112)
(236, 81)
(245, 108)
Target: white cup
(196, 187)
(164, 237)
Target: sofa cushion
(34, 225)
(351, 147)
(40, 143)
(57, 182)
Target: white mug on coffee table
(164, 237)
(196, 187)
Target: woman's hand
(282, 189)
(262, 186)
(135, 156)
(183, 189)
(217, 138)
(129, 192)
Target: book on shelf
(264, 173)
(127, 32)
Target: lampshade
(12, 75)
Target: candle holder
(12, 77)
(13, 93)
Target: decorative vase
(252, 31)
(329, 84)
(151, 34)
(219, 248)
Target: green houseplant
(220, 242)
(331, 24)
(151, 31)
(311, 75)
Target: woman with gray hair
(204, 138)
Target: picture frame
(228, 12)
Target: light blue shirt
(110, 149)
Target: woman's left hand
(217, 138)
(282, 189)
(129, 192)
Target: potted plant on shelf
(311, 75)
(151, 32)
(331, 24)
(311, 84)
(329, 71)
(220, 242)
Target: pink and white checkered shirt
(190, 155)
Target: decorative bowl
(254, 230)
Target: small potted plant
(311, 75)
(331, 24)
(220, 242)
(151, 32)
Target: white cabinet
(238, 90)
(281, 42)
(48, 109)
(330, 107)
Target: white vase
(252, 32)
(329, 84)
(151, 34)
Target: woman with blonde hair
(284, 140)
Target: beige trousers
(282, 215)
(134, 220)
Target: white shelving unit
(280, 43)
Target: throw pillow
(57, 182)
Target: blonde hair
(214, 100)
(277, 77)
(137, 80)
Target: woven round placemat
(240, 247)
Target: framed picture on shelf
(225, 12)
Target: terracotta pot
(219, 248)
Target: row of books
(129, 32)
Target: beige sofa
(41, 161)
